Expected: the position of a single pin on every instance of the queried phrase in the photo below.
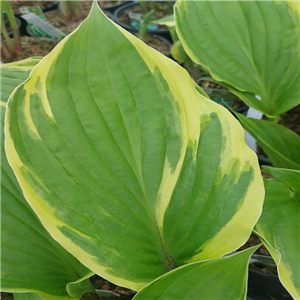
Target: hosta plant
(131, 170)
(279, 225)
(33, 264)
(281, 145)
(12, 47)
(253, 49)
(245, 53)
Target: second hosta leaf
(251, 45)
(126, 165)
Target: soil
(158, 44)
(291, 119)
(102, 284)
(37, 46)
(253, 241)
(42, 4)
(6, 296)
(237, 104)
(107, 4)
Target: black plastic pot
(23, 24)
(112, 9)
(123, 10)
(263, 286)
(108, 14)
(53, 7)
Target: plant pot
(108, 14)
(263, 286)
(114, 5)
(54, 7)
(23, 24)
(167, 51)
(251, 141)
(123, 11)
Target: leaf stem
(274, 120)
(13, 23)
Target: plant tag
(33, 9)
(41, 24)
(135, 16)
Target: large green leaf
(279, 225)
(13, 74)
(126, 164)
(251, 45)
(30, 259)
(281, 145)
(289, 177)
(221, 278)
(27, 296)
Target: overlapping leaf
(252, 46)
(13, 74)
(279, 225)
(222, 278)
(30, 259)
(280, 143)
(127, 166)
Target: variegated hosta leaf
(252, 46)
(30, 259)
(221, 278)
(278, 225)
(127, 166)
(13, 74)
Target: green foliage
(13, 74)
(252, 46)
(280, 144)
(135, 173)
(144, 25)
(13, 47)
(125, 132)
(227, 276)
(278, 225)
(31, 260)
